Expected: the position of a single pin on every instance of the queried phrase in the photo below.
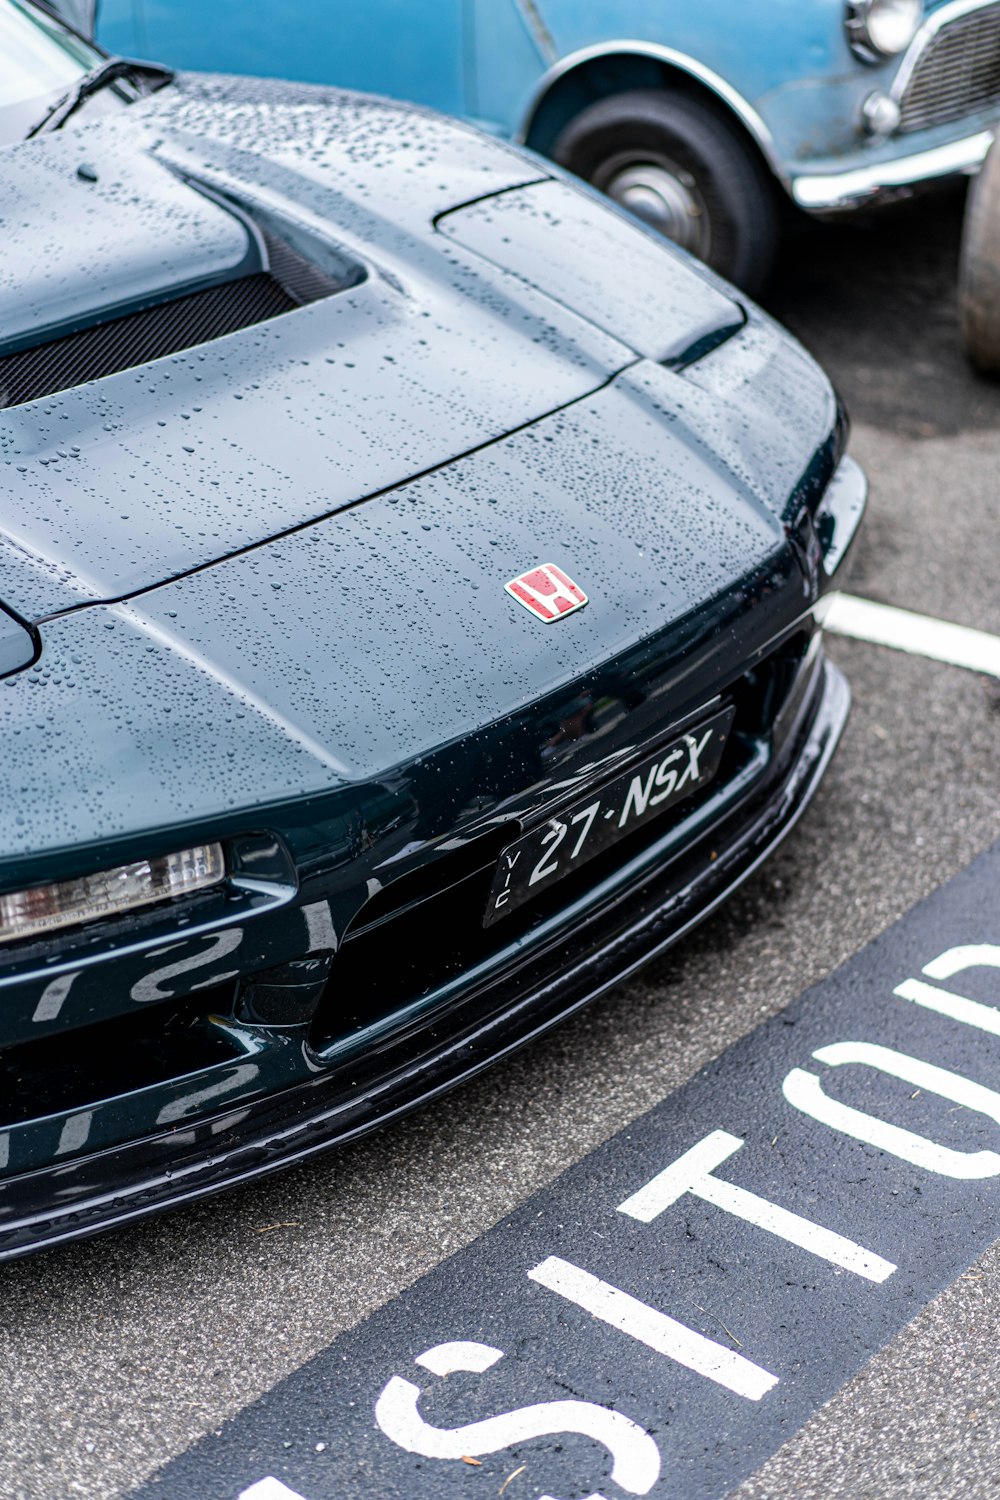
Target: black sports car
(412, 573)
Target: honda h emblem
(547, 591)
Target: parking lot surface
(123, 1352)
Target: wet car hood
(433, 349)
(98, 233)
(276, 639)
(361, 644)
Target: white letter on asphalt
(636, 1458)
(957, 1007)
(968, 956)
(805, 1091)
(654, 1329)
(692, 1173)
(269, 1489)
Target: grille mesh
(303, 281)
(957, 74)
(183, 322)
(139, 337)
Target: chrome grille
(957, 73)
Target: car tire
(684, 169)
(979, 269)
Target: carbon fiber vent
(135, 339)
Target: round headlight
(882, 28)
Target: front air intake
(105, 348)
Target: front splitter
(154, 1173)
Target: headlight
(882, 28)
(45, 908)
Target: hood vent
(290, 281)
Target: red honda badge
(547, 591)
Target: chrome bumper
(830, 192)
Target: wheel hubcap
(666, 199)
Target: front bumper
(835, 191)
(635, 914)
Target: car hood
(436, 342)
(226, 629)
(382, 637)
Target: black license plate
(556, 848)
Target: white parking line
(884, 625)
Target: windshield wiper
(92, 83)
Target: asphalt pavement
(123, 1352)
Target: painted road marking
(692, 1173)
(807, 1093)
(653, 1328)
(269, 1489)
(635, 1456)
(922, 635)
(777, 1220)
(969, 1012)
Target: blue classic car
(699, 118)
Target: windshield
(39, 61)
